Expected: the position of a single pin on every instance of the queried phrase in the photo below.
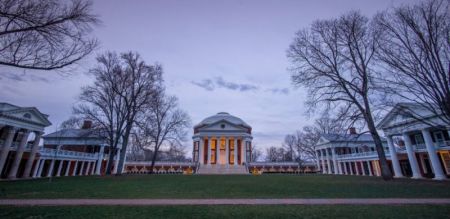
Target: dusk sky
(218, 56)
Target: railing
(67, 154)
(15, 145)
(276, 164)
(442, 144)
(436, 145)
(161, 163)
(363, 154)
(416, 147)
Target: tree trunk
(155, 153)
(385, 170)
(110, 159)
(124, 149)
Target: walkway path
(149, 202)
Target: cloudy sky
(217, 56)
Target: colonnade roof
(349, 137)
(77, 133)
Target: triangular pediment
(222, 125)
(322, 140)
(397, 115)
(405, 113)
(29, 114)
(397, 119)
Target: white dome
(223, 116)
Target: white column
(377, 164)
(435, 164)
(18, 157)
(412, 157)
(82, 169)
(244, 155)
(340, 171)
(227, 151)
(75, 168)
(200, 150)
(116, 160)
(249, 155)
(32, 156)
(362, 168)
(68, 168)
(345, 168)
(36, 168)
(6, 147)
(209, 150)
(50, 169)
(335, 165)
(235, 151)
(357, 170)
(100, 159)
(322, 161)
(352, 168)
(88, 168)
(93, 169)
(58, 173)
(328, 161)
(41, 167)
(317, 160)
(369, 167)
(218, 151)
(395, 164)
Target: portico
(424, 137)
(18, 125)
(223, 142)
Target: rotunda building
(222, 144)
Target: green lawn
(235, 212)
(221, 186)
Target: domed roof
(223, 116)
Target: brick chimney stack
(352, 130)
(87, 124)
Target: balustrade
(66, 154)
(363, 154)
(441, 144)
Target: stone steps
(221, 169)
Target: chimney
(352, 130)
(87, 124)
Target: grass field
(179, 212)
(221, 186)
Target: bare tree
(414, 48)
(176, 151)
(290, 143)
(45, 34)
(123, 88)
(162, 123)
(334, 60)
(256, 153)
(304, 141)
(277, 154)
(271, 154)
(71, 123)
(135, 153)
(141, 83)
